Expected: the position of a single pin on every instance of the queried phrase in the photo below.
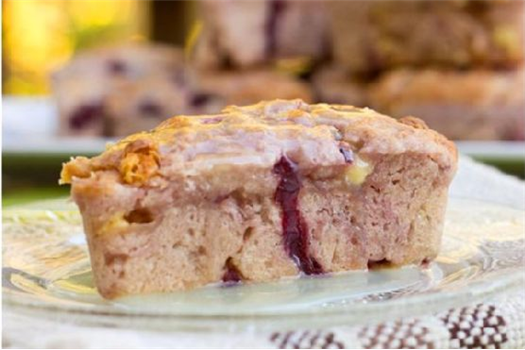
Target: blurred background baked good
(244, 87)
(142, 104)
(468, 105)
(244, 34)
(371, 36)
(332, 84)
(78, 72)
(321, 51)
(454, 64)
(100, 87)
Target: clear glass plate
(46, 272)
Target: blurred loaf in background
(457, 64)
(372, 36)
(472, 104)
(260, 32)
(122, 89)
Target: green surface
(515, 167)
(27, 178)
(24, 196)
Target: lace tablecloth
(494, 323)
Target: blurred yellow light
(40, 35)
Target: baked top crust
(257, 136)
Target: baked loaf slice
(371, 36)
(257, 193)
(475, 105)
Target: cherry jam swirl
(295, 231)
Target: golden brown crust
(259, 134)
(78, 167)
(140, 161)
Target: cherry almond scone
(257, 193)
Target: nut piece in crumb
(358, 171)
(116, 223)
(77, 167)
(140, 162)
